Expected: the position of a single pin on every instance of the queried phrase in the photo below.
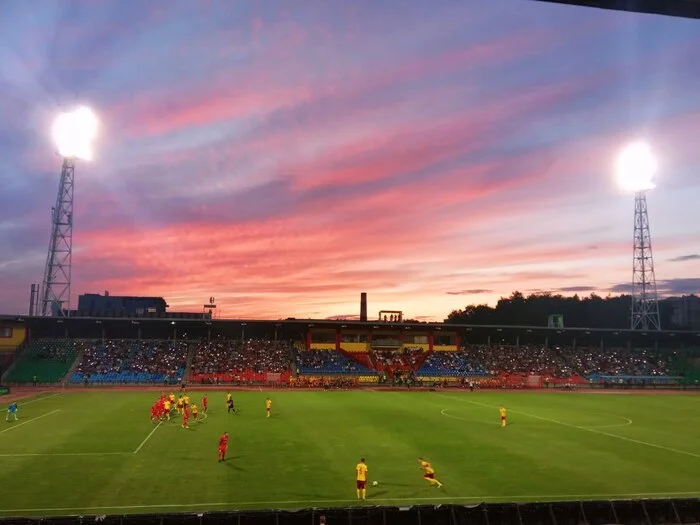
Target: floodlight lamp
(74, 133)
(636, 167)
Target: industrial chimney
(363, 307)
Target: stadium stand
(597, 361)
(517, 365)
(255, 360)
(48, 361)
(451, 364)
(120, 362)
(521, 359)
(329, 362)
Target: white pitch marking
(627, 423)
(234, 504)
(47, 454)
(594, 431)
(443, 412)
(21, 404)
(29, 421)
(147, 438)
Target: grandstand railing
(623, 512)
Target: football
(375, 483)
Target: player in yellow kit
(268, 406)
(428, 472)
(361, 475)
(195, 412)
(503, 416)
(167, 407)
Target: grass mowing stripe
(586, 429)
(42, 398)
(29, 421)
(537, 497)
(147, 438)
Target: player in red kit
(185, 416)
(223, 445)
(205, 404)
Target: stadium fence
(623, 512)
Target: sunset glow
(286, 159)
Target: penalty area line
(147, 438)
(586, 429)
(267, 504)
(29, 421)
(20, 403)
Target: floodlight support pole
(645, 304)
(55, 288)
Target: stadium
(340, 390)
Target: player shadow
(233, 466)
(385, 484)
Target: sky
(283, 157)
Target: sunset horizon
(283, 161)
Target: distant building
(93, 304)
(686, 312)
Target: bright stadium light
(636, 167)
(74, 133)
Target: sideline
(586, 429)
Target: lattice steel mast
(645, 304)
(55, 288)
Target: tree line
(593, 311)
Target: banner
(273, 377)
(4, 390)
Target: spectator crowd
(126, 359)
(327, 362)
(220, 359)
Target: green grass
(306, 453)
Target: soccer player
(171, 398)
(205, 404)
(167, 408)
(428, 472)
(361, 475)
(195, 412)
(186, 400)
(11, 411)
(185, 417)
(268, 406)
(154, 411)
(180, 404)
(229, 403)
(503, 416)
(223, 445)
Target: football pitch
(97, 452)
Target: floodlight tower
(636, 167)
(73, 133)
